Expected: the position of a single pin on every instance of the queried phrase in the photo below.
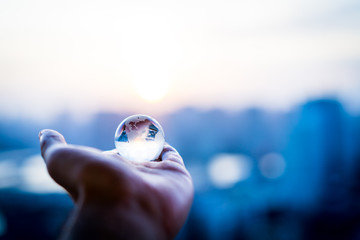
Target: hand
(116, 198)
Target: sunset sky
(159, 56)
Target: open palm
(116, 198)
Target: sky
(156, 57)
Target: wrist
(113, 222)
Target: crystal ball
(139, 138)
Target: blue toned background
(261, 98)
(258, 174)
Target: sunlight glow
(151, 82)
(204, 54)
(150, 47)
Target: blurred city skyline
(157, 57)
(257, 174)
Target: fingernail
(41, 133)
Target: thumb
(49, 138)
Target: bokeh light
(36, 178)
(225, 170)
(272, 165)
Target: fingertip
(42, 132)
(170, 153)
(46, 134)
(49, 137)
(168, 147)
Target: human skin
(115, 198)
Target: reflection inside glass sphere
(139, 138)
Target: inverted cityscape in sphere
(139, 138)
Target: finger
(169, 153)
(52, 145)
(82, 169)
(169, 161)
(111, 152)
(64, 162)
(49, 138)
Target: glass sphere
(139, 138)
